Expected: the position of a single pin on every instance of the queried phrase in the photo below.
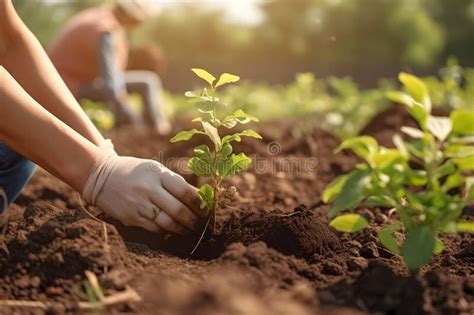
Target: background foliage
(364, 39)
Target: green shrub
(220, 161)
(425, 179)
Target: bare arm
(27, 61)
(41, 137)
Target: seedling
(219, 161)
(98, 302)
(425, 179)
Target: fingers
(155, 220)
(148, 212)
(147, 224)
(181, 190)
(169, 224)
(176, 209)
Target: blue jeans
(145, 83)
(15, 172)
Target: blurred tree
(390, 31)
(45, 19)
(195, 37)
(457, 18)
(366, 39)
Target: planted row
(425, 180)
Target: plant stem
(216, 203)
(202, 235)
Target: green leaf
(418, 247)
(224, 167)
(387, 239)
(334, 188)
(226, 150)
(205, 106)
(462, 140)
(243, 117)
(191, 94)
(378, 201)
(203, 151)
(237, 136)
(90, 292)
(440, 127)
(412, 132)
(213, 134)
(439, 246)
(445, 169)
(400, 145)
(352, 192)
(417, 177)
(417, 89)
(200, 166)
(226, 78)
(453, 181)
(465, 164)
(240, 162)
(349, 223)
(185, 135)
(470, 189)
(387, 157)
(235, 164)
(203, 74)
(238, 116)
(250, 133)
(207, 195)
(459, 150)
(229, 122)
(463, 121)
(416, 109)
(465, 226)
(363, 146)
(224, 162)
(401, 98)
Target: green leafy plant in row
(426, 179)
(218, 161)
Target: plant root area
(273, 251)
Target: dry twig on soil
(105, 245)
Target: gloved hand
(107, 146)
(144, 193)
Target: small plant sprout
(219, 161)
(425, 180)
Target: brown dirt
(271, 255)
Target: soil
(273, 252)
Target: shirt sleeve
(113, 78)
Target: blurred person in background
(41, 122)
(91, 55)
(147, 57)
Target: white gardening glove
(107, 146)
(144, 193)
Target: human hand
(144, 193)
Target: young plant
(219, 161)
(425, 179)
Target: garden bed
(274, 252)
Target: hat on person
(137, 9)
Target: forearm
(27, 61)
(41, 137)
